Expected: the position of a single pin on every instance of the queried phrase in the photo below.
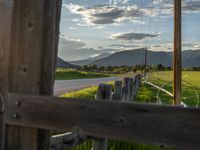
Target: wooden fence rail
(104, 93)
(131, 85)
(153, 124)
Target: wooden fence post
(104, 93)
(33, 49)
(177, 63)
(128, 89)
(118, 91)
(5, 29)
(138, 81)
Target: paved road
(62, 86)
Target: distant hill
(191, 58)
(89, 60)
(63, 64)
(133, 57)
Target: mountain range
(63, 64)
(190, 58)
(89, 60)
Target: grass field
(66, 74)
(89, 93)
(190, 88)
(191, 81)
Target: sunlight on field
(87, 93)
(66, 74)
(190, 87)
(148, 95)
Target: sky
(89, 28)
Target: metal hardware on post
(18, 102)
(15, 116)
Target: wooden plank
(118, 91)
(104, 93)
(31, 70)
(174, 127)
(5, 26)
(128, 94)
(177, 52)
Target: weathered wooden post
(104, 93)
(138, 81)
(177, 52)
(5, 30)
(118, 90)
(134, 92)
(128, 89)
(33, 47)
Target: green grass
(146, 94)
(67, 74)
(190, 87)
(87, 93)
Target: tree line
(124, 68)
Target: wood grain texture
(174, 127)
(104, 93)
(128, 93)
(5, 28)
(118, 91)
(177, 66)
(31, 60)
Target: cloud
(70, 43)
(132, 36)
(74, 49)
(107, 14)
(163, 47)
(169, 46)
(191, 46)
(124, 46)
(121, 10)
(189, 6)
(192, 6)
(115, 2)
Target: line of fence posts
(122, 92)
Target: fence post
(128, 89)
(33, 49)
(5, 30)
(118, 90)
(138, 81)
(104, 93)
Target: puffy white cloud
(132, 36)
(115, 13)
(107, 14)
